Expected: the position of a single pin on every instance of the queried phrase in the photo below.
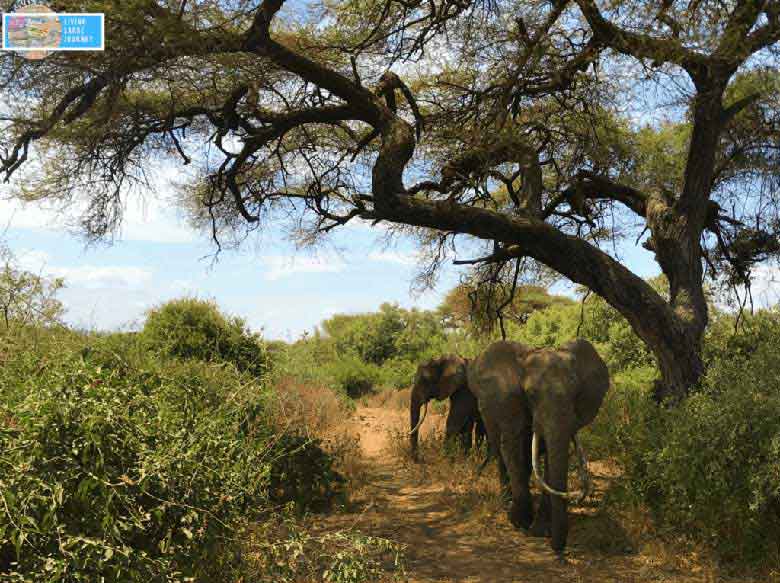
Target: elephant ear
(451, 371)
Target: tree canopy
(540, 131)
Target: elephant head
(437, 379)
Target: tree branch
(641, 46)
(592, 186)
(732, 110)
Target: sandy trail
(443, 545)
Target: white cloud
(96, 277)
(32, 260)
(85, 276)
(145, 218)
(394, 257)
(280, 266)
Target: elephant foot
(540, 529)
(520, 517)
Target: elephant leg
(541, 525)
(465, 437)
(460, 419)
(513, 446)
(503, 476)
(558, 457)
(493, 435)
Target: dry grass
(474, 497)
(282, 550)
(319, 412)
(309, 409)
(393, 399)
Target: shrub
(284, 552)
(625, 415)
(301, 472)
(192, 328)
(353, 376)
(708, 469)
(398, 373)
(310, 409)
(122, 469)
(27, 298)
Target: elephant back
(497, 371)
(593, 379)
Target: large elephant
(533, 401)
(463, 418)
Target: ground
(446, 542)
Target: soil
(444, 544)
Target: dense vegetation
(193, 448)
(153, 456)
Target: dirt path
(445, 545)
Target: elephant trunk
(582, 468)
(415, 419)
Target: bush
(708, 469)
(353, 376)
(191, 328)
(625, 415)
(343, 556)
(398, 373)
(302, 472)
(122, 469)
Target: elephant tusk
(577, 496)
(425, 412)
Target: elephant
(463, 418)
(532, 401)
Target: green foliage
(353, 376)
(621, 425)
(357, 353)
(192, 328)
(370, 336)
(473, 306)
(118, 466)
(26, 299)
(754, 332)
(709, 468)
(392, 332)
(600, 323)
(335, 557)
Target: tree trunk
(676, 225)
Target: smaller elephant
(463, 418)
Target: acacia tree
(507, 122)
